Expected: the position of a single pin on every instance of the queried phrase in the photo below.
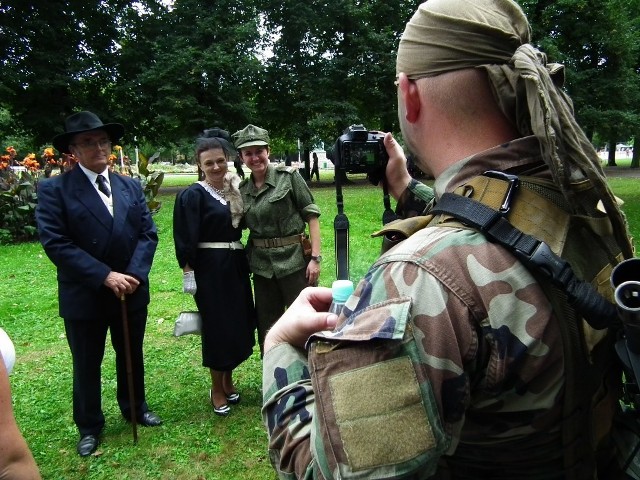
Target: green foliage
(197, 73)
(600, 48)
(150, 181)
(18, 201)
(12, 134)
(304, 70)
(333, 65)
(62, 62)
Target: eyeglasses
(89, 145)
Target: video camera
(358, 150)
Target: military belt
(277, 242)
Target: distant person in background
(315, 169)
(16, 460)
(277, 204)
(95, 227)
(207, 231)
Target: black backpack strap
(534, 254)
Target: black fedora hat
(85, 122)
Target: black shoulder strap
(534, 254)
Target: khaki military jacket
(280, 208)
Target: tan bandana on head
(447, 35)
(494, 35)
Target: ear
(410, 97)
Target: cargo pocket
(379, 416)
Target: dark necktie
(102, 185)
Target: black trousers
(87, 337)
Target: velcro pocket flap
(379, 416)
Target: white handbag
(188, 323)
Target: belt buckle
(272, 242)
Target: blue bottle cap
(341, 290)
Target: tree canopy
(304, 70)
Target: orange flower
(31, 164)
(112, 159)
(11, 150)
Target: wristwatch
(316, 258)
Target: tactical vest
(585, 241)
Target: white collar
(212, 192)
(91, 175)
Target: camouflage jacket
(279, 208)
(446, 357)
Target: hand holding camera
(396, 172)
(359, 150)
(377, 154)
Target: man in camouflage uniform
(448, 360)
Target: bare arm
(313, 268)
(16, 460)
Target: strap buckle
(547, 262)
(514, 183)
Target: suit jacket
(85, 242)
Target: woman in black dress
(207, 233)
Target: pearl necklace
(218, 191)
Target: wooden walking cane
(127, 352)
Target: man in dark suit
(96, 228)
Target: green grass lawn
(193, 443)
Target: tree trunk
(305, 170)
(635, 159)
(611, 162)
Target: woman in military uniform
(277, 206)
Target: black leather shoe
(87, 445)
(150, 419)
